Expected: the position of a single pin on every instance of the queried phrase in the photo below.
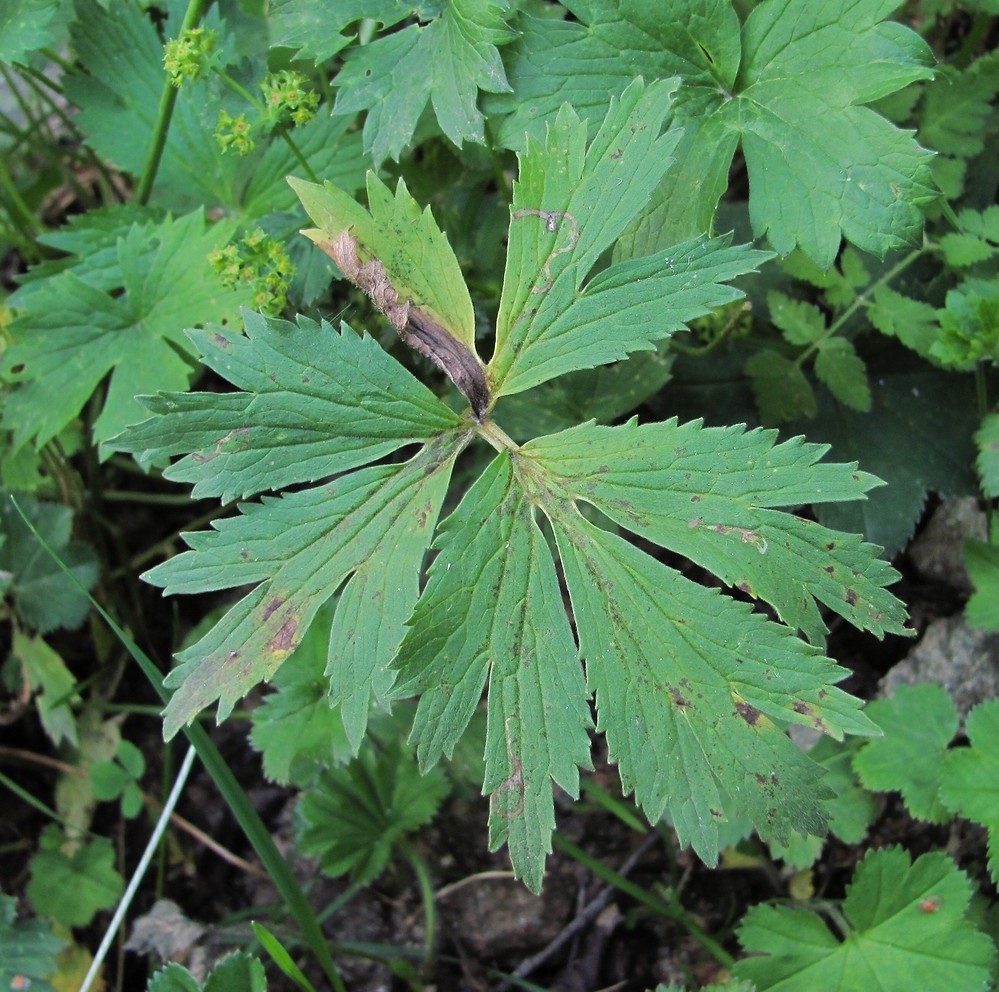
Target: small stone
(952, 653)
(938, 552)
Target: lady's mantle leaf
(44, 597)
(353, 817)
(710, 494)
(907, 931)
(69, 337)
(970, 784)
(236, 972)
(28, 949)
(24, 28)
(919, 722)
(398, 255)
(791, 83)
(300, 548)
(492, 613)
(571, 203)
(71, 882)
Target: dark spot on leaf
(273, 605)
(221, 341)
(748, 713)
(800, 707)
(831, 546)
(696, 499)
(284, 639)
(18, 368)
(306, 380)
(617, 154)
(244, 555)
(760, 779)
(829, 569)
(851, 597)
(678, 698)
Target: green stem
(164, 113)
(147, 499)
(419, 866)
(862, 301)
(20, 213)
(491, 432)
(300, 158)
(972, 41)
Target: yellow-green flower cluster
(188, 56)
(261, 262)
(287, 97)
(233, 133)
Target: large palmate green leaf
(693, 688)
(790, 85)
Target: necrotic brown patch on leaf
(748, 713)
(274, 604)
(416, 327)
(284, 639)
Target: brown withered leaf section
(415, 326)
